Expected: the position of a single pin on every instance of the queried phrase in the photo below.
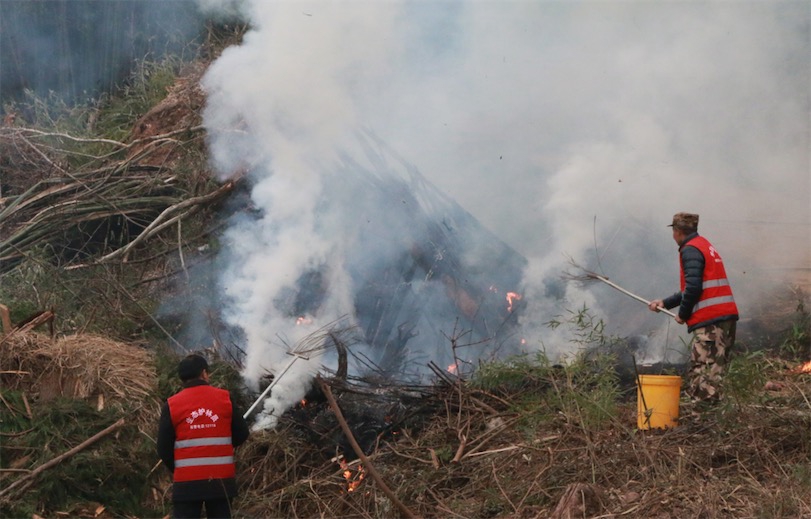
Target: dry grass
(79, 366)
(480, 454)
(463, 449)
(58, 393)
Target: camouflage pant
(708, 360)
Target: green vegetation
(584, 391)
(95, 474)
(147, 86)
(796, 344)
(745, 372)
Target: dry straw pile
(78, 366)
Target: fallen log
(26, 480)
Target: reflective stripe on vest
(714, 283)
(713, 301)
(199, 462)
(199, 442)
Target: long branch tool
(593, 276)
(309, 347)
(638, 298)
(276, 379)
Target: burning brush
(310, 346)
(587, 276)
(353, 472)
(802, 368)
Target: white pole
(276, 379)
(640, 299)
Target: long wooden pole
(367, 465)
(273, 383)
(617, 287)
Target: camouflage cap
(685, 221)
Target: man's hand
(658, 305)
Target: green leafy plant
(583, 390)
(95, 474)
(745, 376)
(588, 392)
(585, 328)
(796, 344)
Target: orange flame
(512, 297)
(353, 480)
(303, 320)
(803, 368)
(452, 368)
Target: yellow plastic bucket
(657, 401)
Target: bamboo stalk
(26, 480)
(51, 206)
(157, 221)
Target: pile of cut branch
(106, 206)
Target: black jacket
(198, 490)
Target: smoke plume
(567, 129)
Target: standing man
(706, 305)
(197, 433)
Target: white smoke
(568, 129)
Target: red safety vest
(716, 295)
(201, 416)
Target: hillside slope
(517, 438)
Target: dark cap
(191, 367)
(685, 221)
